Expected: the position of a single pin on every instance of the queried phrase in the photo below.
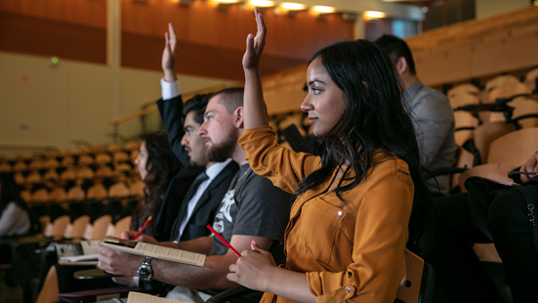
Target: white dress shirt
(212, 172)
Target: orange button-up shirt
(350, 251)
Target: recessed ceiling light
(323, 9)
(293, 6)
(262, 3)
(374, 15)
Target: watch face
(144, 272)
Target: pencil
(223, 241)
(142, 229)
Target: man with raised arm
(253, 210)
(185, 217)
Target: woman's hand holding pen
(530, 166)
(253, 269)
(255, 44)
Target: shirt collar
(413, 89)
(216, 168)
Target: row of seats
(77, 193)
(76, 173)
(84, 160)
(81, 228)
(128, 148)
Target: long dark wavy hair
(9, 192)
(375, 119)
(161, 166)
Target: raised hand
(253, 269)
(169, 54)
(255, 45)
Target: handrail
(81, 142)
(471, 29)
(154, 108)
(29, 147)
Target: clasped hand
(121, 263)
(253, 269)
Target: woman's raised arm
(255, 112)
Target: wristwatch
(145, 271)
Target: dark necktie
(184, 204)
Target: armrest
(229, 294)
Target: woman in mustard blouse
(350, 221)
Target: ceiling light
(226, 1)
(293, 6)
(323, 9)
(262, 3)
(374, 15)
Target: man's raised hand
(169, 55)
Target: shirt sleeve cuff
(169, 90)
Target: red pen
(223, 241)
(142, 229)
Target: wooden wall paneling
(141, 51)
(443, 64)
(505, 51)
(202, 23)
(30, 35)
(84, 12)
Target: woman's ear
(365, 84)
(238, 117)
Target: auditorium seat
(79, 227)
(463, 89)
(20, 166)
(134, 155)
(113, 148)
(500, 80)
(514, 148)
(465, 123)
(137, 188)
(51, 163)
(131, 146)
(463, 99)
(486, 133)
(97, 191)
(102, 158)
(85, 160)
(104, 171)
(51, 174)
(120, 156)
(68, 174)
(68, 161)
(530, 79)
(99, 227)
(85, 173)
(493, 171)
(76, 193)
(5, 167)
(19, 178)
(122, 225)
(33, 177)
